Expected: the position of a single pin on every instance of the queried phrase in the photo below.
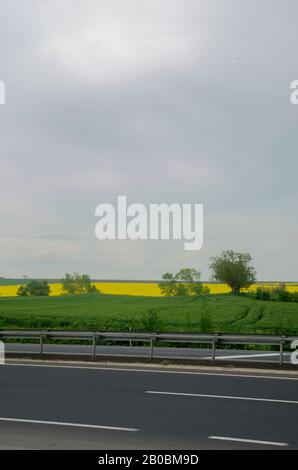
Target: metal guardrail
(200, 338)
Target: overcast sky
(160, 100)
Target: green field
(218, 313)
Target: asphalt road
(70, 407)
(159, 352)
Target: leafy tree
(77, 284)
(185, 282)
(23, 291)
(93, 289)
(168, 285)
(188, 280)
(233, 269)
(181, 289)
(34, 289)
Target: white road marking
(227, 397)
(60, 423)
(155, 371)
(241, 356)
(249, 441)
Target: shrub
(168, 284)
(181, 289)
(263, 293)
(206, 323)
(278, 294)
(205, 290)
(150, 321)
(93, 289)
(185, 282)
(77, 284)
(281, 294)
(23, 291)
(34, 289)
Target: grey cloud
(161, 100)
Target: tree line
(72, 284)
(231, 268)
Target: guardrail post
(94, 347)
(281, 350)
(41, 345)
(214, 343)
(151, 349)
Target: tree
(23, 291)
(77, 284)
(233, 269)
(189, 281)
(185, 282)
(34, 289)
(168, 285)
(181, 289)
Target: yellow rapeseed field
(140, 288)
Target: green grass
(219, 313)
(11, 282)
(18, 281)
